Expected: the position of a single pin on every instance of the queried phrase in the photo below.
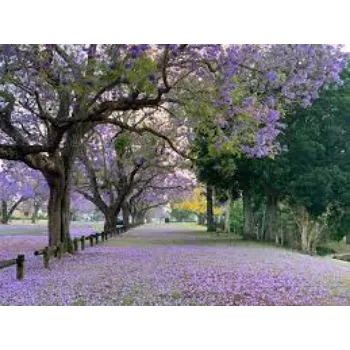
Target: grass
(197, 235)
(190, 225)
(97, 226)
(27, 222)
(340, 247)
(131, 241)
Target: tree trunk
(110, 224)
(347, 239)
(228, 212)
(35, 212)
(58, 210)
(4, 216)
(261, 233)
(140, 218)
(304, 236)
(210, 211)
(126, 215)
(271, 233)
(306, 229)
(248, 216)
(200, 219)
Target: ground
(174, 264)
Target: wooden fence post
(91, 238)
(102, 236)
(75, 244)
(106, 236)
(82, 240)
(96, 238)
(68, 247)
(46, 257)
(20, 267)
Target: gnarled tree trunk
(111, 218)
(126, 214)
(58, 209)
(110, 224)
(310, 229)
(5, 213)
(140, 218)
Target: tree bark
(260, 235)
(133, 220)
(210, 211)
(310, 229)
(58, 210)
(35, 212)
(248, 216)
(126, 215)
(228, 212)
(140, 218)
(4, 216)
(304, 236)
(271, 232)
(110, 224)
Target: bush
(322, 251)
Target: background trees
(19, 184)
(121, 171)
(300, 196)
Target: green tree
(312, 172)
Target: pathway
(179, 265)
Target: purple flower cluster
(272, 77)
(179, 275)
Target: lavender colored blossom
(157, 273)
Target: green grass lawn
(340, 247)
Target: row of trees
(115, 170)
(300, 197)
(53, 99)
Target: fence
(19, 262)
(57, 251)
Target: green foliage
(139, 75)
(182, 215)
(339, 222)
(122, 142)
(237, 216)
(323, 250)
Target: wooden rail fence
(58, 251)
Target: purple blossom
(271, 76)
(154, 265)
